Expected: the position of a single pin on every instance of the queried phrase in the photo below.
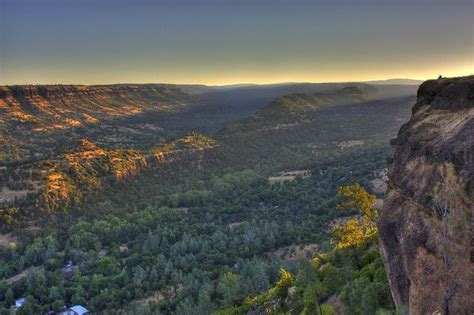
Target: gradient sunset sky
(224, 42)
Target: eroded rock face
(426, 226)
(47, 107)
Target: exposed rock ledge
(426, 225)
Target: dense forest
(349, 279)
(177, 253)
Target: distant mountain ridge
(299, 103)
(395, 82)
(202, 88)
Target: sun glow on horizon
(222, 43)
(257, 79)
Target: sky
(219, 42)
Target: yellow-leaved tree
(280, 290)
(361, 228)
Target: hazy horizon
(237, 84)
(229, 42)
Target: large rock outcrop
(426, 226)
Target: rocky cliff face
(426, 225)
(37, 120)
(63, 181)
(62, 106)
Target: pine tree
(9, 298)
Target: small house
(76, 310)
(19, 303)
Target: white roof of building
(79, 309)
(20, 302)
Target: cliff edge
(426, 226)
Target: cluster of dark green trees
(201, 249)
(349, 279)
